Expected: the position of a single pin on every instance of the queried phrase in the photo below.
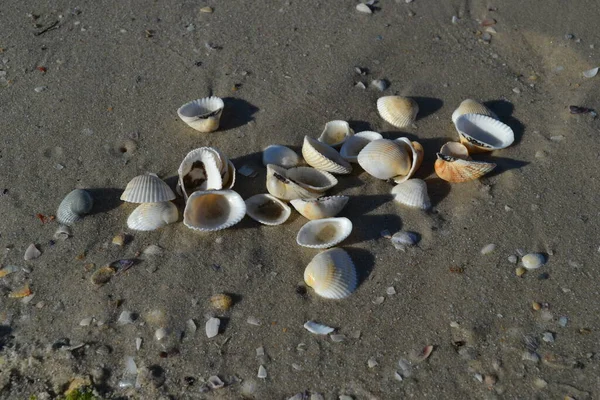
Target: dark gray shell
(74, 206)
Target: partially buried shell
(331, 274)
(397, 110)
(324, 157)
(412, 193)
(312, 179)
(336, 133)
(324, 233)
(481, 133)
(470, 106)
(74, 206)
(325, 207)
(203, 114)
(453, 169)
(281, 156)
(267, 209)
(213, 210)
(280, 186)
(148, 188)
(151, 216)
(200, 170)
(354, 144)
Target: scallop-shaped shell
(336, 133)
(213, 210)
(281, 156)
(280, 186)
(324, 233)
(331, 274)
(200, 170)
(151, 216)
(325, 207)
(481, 133)
(147, 188)
(456, 150)
(416, 151)
(267, 209)
(454, 169)
(203, 114)
(324, 157)
(385, 159)
(397, 110)
(312, 179)
(412, 193)
(228, 176)
(354, 144)
(74, 206)
(470, 106)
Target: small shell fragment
(318, 329)
(212, 327)
(62, 233)
(337, 338)
(103, 275)
(520, 271)
(533, 260)
(215, 382)
(21, 292)
(161, 333)
(590, 73)
(190, 326)
(487, 249)
(126, 317)
(403, 239)
(253, 321)
(372, 363)
(206, 10)
(138, 343)
(390, 291)
(9, 269)
(31, 253)
(363, 8)
(422, 355)
(262, 372)
(221, 302)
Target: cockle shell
(481, 133)
(228, 176)
(267, 209)
(318, 329)
(533, 260)
(331, 274)
(324, 233)
(151, 216)
(416, 151)
(324, 157)
(280, 186)
(354, 144)
(336, 133)
(203, 114)
(281, 156)
(147, 188)
(412, 193)
(213, 210)
(385, 159)
(201, 170)
(325, 207)
(456, 150)
(74, 206)
(312, 179)
(470, 106)
(397, 110)
(454, 169)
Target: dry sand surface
(115, 74)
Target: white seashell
(126, 317)
(533, 260)
(228, 176)
(267, 209)
(324, 157)
(470, 106)
(397, 110)
(325, 207)
(380, 84)
(318, 329)
(324, 233)
(214, 382)
(312, 179)
(280, 186)
(63, 232)
(481, 133)
(363, 8)
(385, 159)
(138, 343)
(404, 239)
(456, 150)
(213, 210)
(262, 372)
(590, 73)
(487, 249)
(152, 250)
(151, 216)
(331, 274)
(412, 193)
(200, 170)
(74, 206)
(203, 114)
(354, 144)
(416, 152)
(212, 327)
(161, 333)
(281, 156)
(147, 188)
(31, 253)
(336, 133)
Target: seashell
(401, 240)
(324, 233)
(262, 372)
(214, 382)
(363, 8)
(9, 269)
(161, 333)
(325, 207)
(31, 253)
(212, 327)
(103, 275)
(416, 152)
(470, 106)
(336, 133)
(280, 186)
(354, 144)
(147, 188)
(412, 193)
(456, 150)
(228, 176)
(421, 355)
(324, 157)
(222, 302)
(200, 170)
(23, 291)
(385, 159)
(318, 329)
(151, 216)
(331, 274)
(62, 233)
(312, 179)
(126, 317)
(74, 206)
(453, 169)
(281, 156)
(203, 114)
(533, 260)
(267, 209)
(590, 73)
(213, 210)
(480, 133)
(397, 110)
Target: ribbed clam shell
(324, 157)
(74, 206)
(456, 150)
(325, 207)
(354, 144)
(147, 188)
(324, 233)
(385, 159)
(200, 170)
(336, 133)
(397, 110)
(267, 209)
(412, 193)
(481, 133)
(453, 169)
(228, 176)
(280, 186)
(332, 274)
(281, 156)
(203, 114)
(151, 216)
(312, 179)
(470, 106)
(213, 210)
(416, 151)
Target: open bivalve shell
(412, 193)
(202, 169)
(280, 186)
(281, 156)
(331, 274)
(324, 157)
(147, 189)
(74, 206)
(203, 114)
(481, 133)
(151, 216)
(416, 152)
(325, 207)
(312, 179)
(454, 169)
(213, 210)
(354, 144)
(228, 175)
(470, 106)
(267, 209)
(336, 133)
(324, 233)
(397, 110)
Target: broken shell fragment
(74, 206)
(331, 274)
(103, 275)
(221, 302)
(312, 179)
(203, 114)
(212, 327)
(63, 232)
(325, 207)
(281, 156)
(324, 157)
(421, 355)
(201, 170)
(354, 144)
(336, 133)
(213, 210)
(324, 233)
(403, 239)
(397, 110)
(267, 209)
(280, 186)
(147, 188)
(151, 216)
(21, 292)
(31, 253)
(454, 169)
(481, 133)
(470, 106)
(412, 193)
(318, 329)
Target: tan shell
(336, 133)
(312, 179)
(213, 210)
(470, 106)
(454, 169)
(280, 186)
(325, 207)
(203, 114)
(332, 274)
(267, 209)
(321, 156)
(417, 154)
(397, 110)
(412, 193)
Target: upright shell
(267, 209)
(481, 133)
(203, 114)
(332, 274)
(470, 106)
(312, 179)
(412, 193)
(74, 206)
(281, 156)
(385, 159)
(354, 144)
(147, 188)
(213, 210)
(201, 170)
(416, 152)
(324, 157)
(336, 133)
(324, 233)
(397, 110)
(151, 216)
(280, 186)
(325, 207)
(454, 169)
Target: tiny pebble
(488, 249)
(262, 372)
(40, 89)
(379, 300)
(536, 306)
(206, 10)
(520, 271)
(360, 85)
(380, 84)
(548, 337)
(390, 291)
(337, 338)
(86, 321)
(507, 208)
(372, 363)
(562, 321)
(540, 383)
(516, 90)
(260, 351)
(398, 377)
(530, 356)
(512, 259)
(479, 377)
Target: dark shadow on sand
(502, 164)
(504, 110)
(237, 112)
(438, 189)
(369, 227)
(364, 262)
(427, 106)
(105, 199)
(359, 126)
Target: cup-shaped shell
(324, 233)
(456, 150)
(147, 188)
(397, 110)
(213, 210)
(412, 193)
(312, 179)
(481, 133)
(228, 175)
(454, 169)
(470, 106)
(203, 114)
(74, 206)
(267, 209)
(200, 170)
(416, 152)
(354, 144)
(280, 186)
(325, 207)
(385, 159)
(336, 133)
(151, 216)
(324, 157)
(281, 156)
(331, 274)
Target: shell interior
(324, 233)
(202, 169)
(75, 204)
(202, 114)
(354, 144)
(147, 188)
(483, 132)
(332, 274)
(312, 179)
(325, 207)
(267, 209)
(281, 156)
(336, 133)
(280, 186)
(213, 210)
(453, 169)
(416, 157)
(470, 106)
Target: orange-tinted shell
(456, 170)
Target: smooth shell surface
(281, 156)
(480, 133)
(318, 329)
(412, 193)
(213, 210)
(280, 186)
(203, 114)
(470, 106)
(324, 157)
(312, 179)
(456, 150)
(325, 207)
(354, 144)
(74, 206)
(267, 209)
(147, 188)
(324, 233)
(331, 274)
(533, 260)
(416, 151)
(151, 216)
(455, 170)
(336, 133)
(201, 169)
(397, 110)
(385, 159)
